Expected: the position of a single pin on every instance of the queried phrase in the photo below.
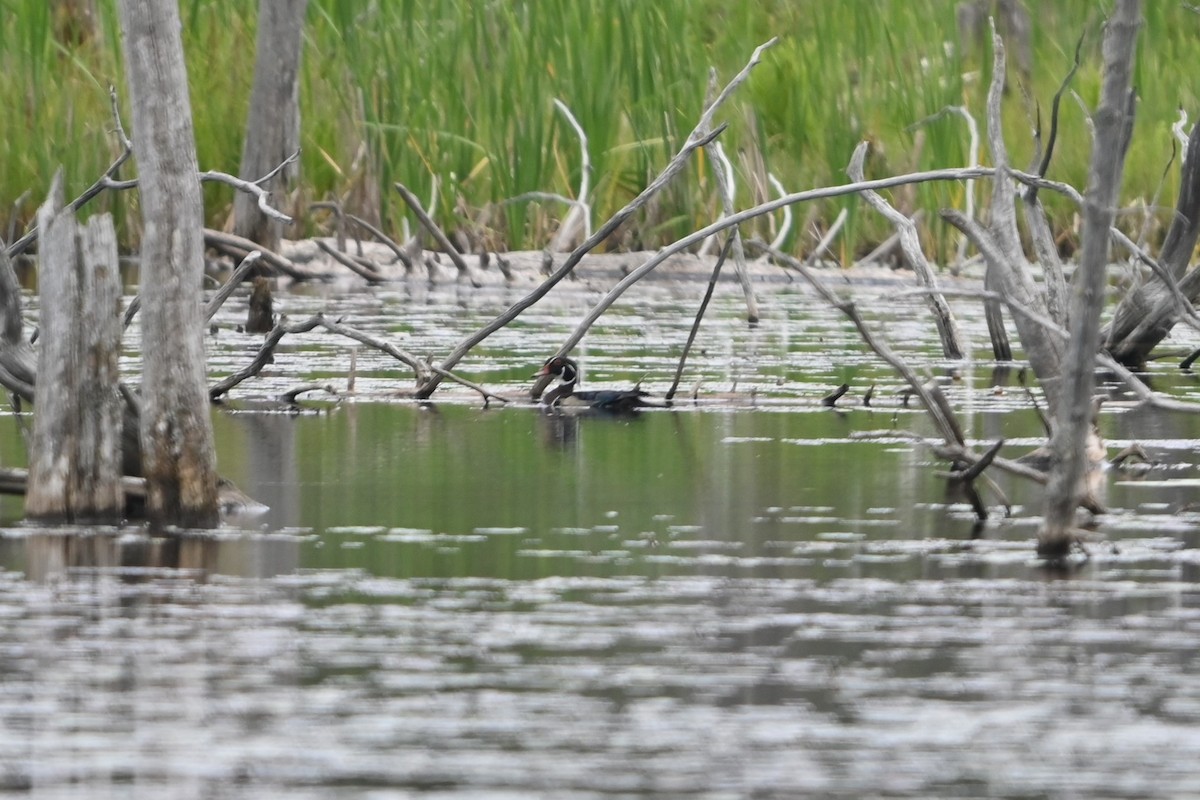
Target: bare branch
(580, 210)
(911, 244)
(239, 247)
(723, 174)
(444, 241)
(359, 266)
(251, 187)
(265, 356)
(390, 243)
(687, 347)
(102, 183)
(695, 140)
(221, 295)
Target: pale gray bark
(18, 363)
(943, 317)
(1007, 269)
(273, 124)
(1146, 314)
(75, 453)
(1073, 418)
(179, 460)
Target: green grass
(459, 93)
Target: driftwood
(401, 256)
(577, 225)
(240, 248)
(266, 353)
(443, 241)
(75, 452)
(356, 264)
(235, 279)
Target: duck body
(564, 396)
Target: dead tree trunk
(179, 460)
(1073, 419)
(1147, 313)
(18, 363)
(75, 455)
(273, 124)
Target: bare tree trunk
(75, 455)
(273, 124)
(179, 460)
(1147, 313)
(1073, 420)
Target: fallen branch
(444, 241)
(687, 346)
(291, 397)
(931, 397)
(358, 266)
(266, 355)
(266, 352)
(235, 280)
(240, 248)
(254, 187)
(387, 241)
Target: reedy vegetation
(460, 92)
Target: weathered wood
(273, 123)
(427, 222)
(18, 363)
(179, 460)
(75, 454)
(722, 176)
(1073, 417)
(910, 242)
(261, 316)
(696, 139)
(1146, 314)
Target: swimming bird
(564, 395)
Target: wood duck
(564, 395)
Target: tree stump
(75, 454)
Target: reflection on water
(760, 599)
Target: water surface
(748, 596)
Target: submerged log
(75, 455)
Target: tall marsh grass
(455, 98)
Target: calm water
(752, 596)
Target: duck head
(564, 368)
